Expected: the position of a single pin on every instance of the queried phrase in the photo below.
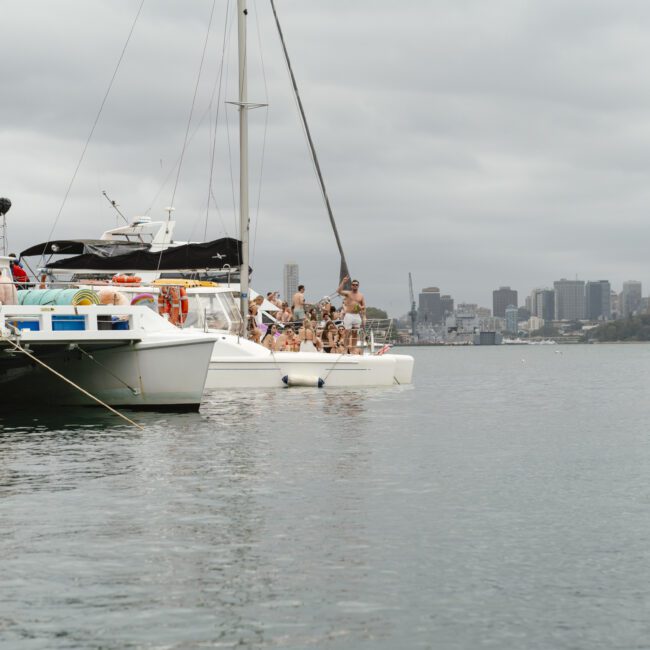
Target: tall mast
(242, 13)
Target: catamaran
(141, 261)
(82, 353)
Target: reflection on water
(458, 513)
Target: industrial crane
(413, 313)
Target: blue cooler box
(61, 323)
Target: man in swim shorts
(354, 305)
(298, 303)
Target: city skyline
(501, 140)
(559, 300)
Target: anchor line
(18, 347)
(135, 391)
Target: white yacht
(121, 355)
(141, 259)
(236, 362)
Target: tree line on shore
(633, 328)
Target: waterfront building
(490, 324)
(542, 303)
(430, 306)
(615, 302)
(569, 299)
(512, 319)
(597, 299)
(291, 281)
(535, 323)
(630, 298)
(501, 298)
(446, 305)
(467, 308)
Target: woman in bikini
(307, 337)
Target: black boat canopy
(217, 254)
(100, 247)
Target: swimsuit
(352, 321)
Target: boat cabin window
(218, 311)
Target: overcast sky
(475, 143)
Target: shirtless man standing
(298, 303)
(354, 305)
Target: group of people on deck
(303, 327)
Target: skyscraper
(569, 299)
(542, 304)
(446, 305)
(430, 306)
(630, 298)
(512, 319)
(291, 281)
(597, 298)
(501, 298)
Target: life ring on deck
(126, 279)
(173, 301)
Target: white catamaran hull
(123, 356)
(139, 375)
(246, 365)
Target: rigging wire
(189, 120)
(344, 266)
(92, 130)
(216, 124)
(230, 157)
(266, 125)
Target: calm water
(501, 502)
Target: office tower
(430, 306)
(291, 281)
(569, 299)
(597, 298)
(615, 302)
(512, 319)
(446, 305)
(630, 298)
(542, 304)
(501, 298)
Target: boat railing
(377, 334)
(67, 321)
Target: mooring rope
(18, 347)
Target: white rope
(16, 346)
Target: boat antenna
(344, 266)
(115, 207)
(5, 205)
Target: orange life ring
(185, 304)
(126, 279)
(164, 304)
(173, 301)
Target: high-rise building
(542, 303)
(430, 306)
(291, 281)
(512, 319)
(615, 302)
(597, 299)
(569, 299)
(446, 305)
(630, 298)
(501, 298)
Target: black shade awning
(100, 247)
(216, 254)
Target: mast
(242, 13)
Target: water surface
(500, 502)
